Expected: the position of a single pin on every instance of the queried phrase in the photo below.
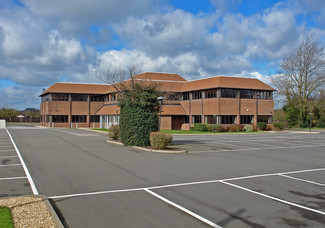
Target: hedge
(159, 140)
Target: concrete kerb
(150, 150)
(52, 212)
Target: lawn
(99, 129)
(5, 218)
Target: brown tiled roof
(169, 110)
(226, 82)
(77, 88)
(160, 77)
(108, 110)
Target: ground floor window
(246, 119)
(210, 119)
(197, 119)
(60, 119)
(79, 119)
(265, 119)
(228, 119)
(108, 121)
(186, 119)
(94, 119)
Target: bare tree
(301, 74)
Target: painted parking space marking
(10, 165)
(12, 178)
(303, 180)
(182, 209)
(183, 184)
(8, 156)
(78, 134)
(29, 177)
(274, 198)
(262, 148)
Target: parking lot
(225, 180)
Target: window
(79, 119)
(94, 119)
(60, 119)
(79, 97)
(46, 98)
(113, 96)
(210, 119)
(210, 93)
(174, 96)
(197, 95)
(97, 98)
(197, 119)
(265, 119)
(229, 93)
(228, 119)
(246, 119)
(60, 97)
(186, 119)
(247, 94)
(264, 95)
(186, 96)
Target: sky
(43, 41)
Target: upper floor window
(79, 97)
(229, 93)
(60, 97)
(46, 98)
(247, 94)
(186, 96)
(175, 96)
(197, 95)
(210, 93)
(264, 95)
(113, 97)
(98, 98)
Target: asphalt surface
(228, 180)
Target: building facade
(215, 100)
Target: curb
(151, 150)
(303, 132)
(52, 212)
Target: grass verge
(99, 129)
(5, 218)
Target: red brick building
(215, 100)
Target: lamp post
(310, 121)
(160, 99)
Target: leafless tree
(301, 74)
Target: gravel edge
(32, 211)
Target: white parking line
(304, 180)
(12, 178)
(80, 134)
(182, 209)
(183, 184)
(9, 156)
(265, 148)
(29, 177)
(274, 198)
(10, 165)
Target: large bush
(248, 128)
(159, 140)
(138, 114)
(278, 126)
(261, 126)
(199, 127)
(113, 132)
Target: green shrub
(248, 128)
(303, 121)
(225, 128)
(232, 128)
(210, 127)
(200, 127)
(159, 140)
(278, 126)
(240, 128)
(219, 128)
(114, 132)
(261, 126)
(321, 122)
